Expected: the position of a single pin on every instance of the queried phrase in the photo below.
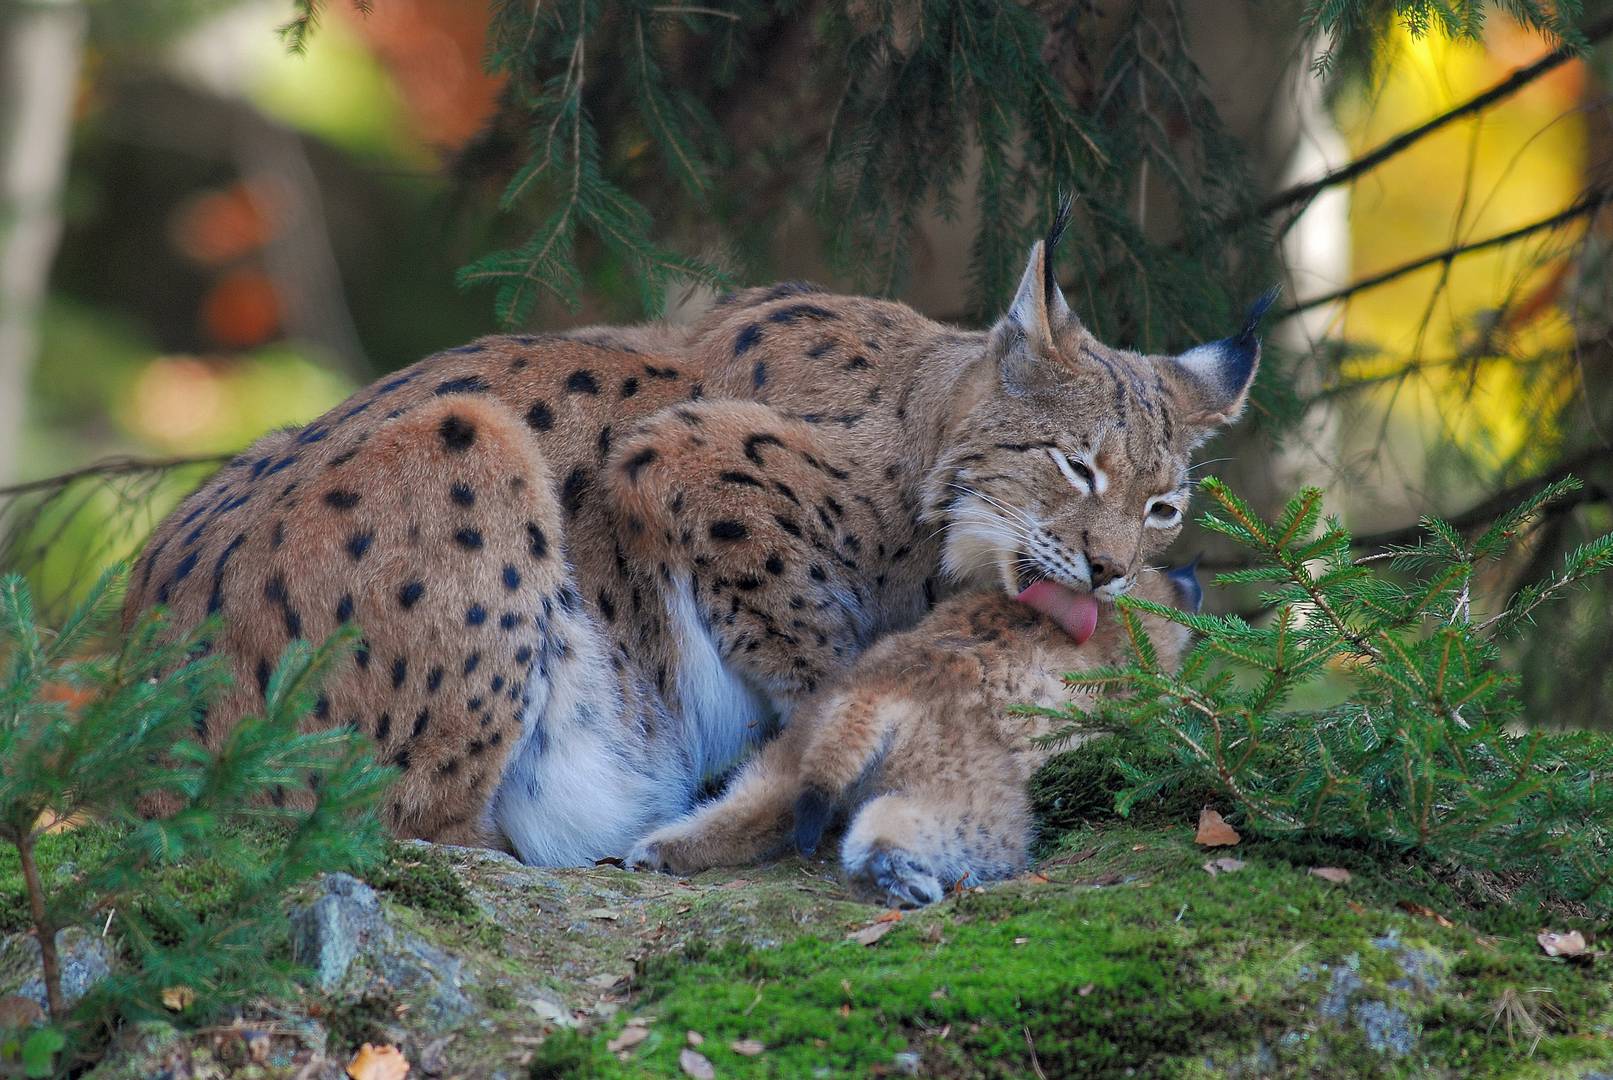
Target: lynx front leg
(748, 823)
(911, 847)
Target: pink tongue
(1076, 612)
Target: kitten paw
(902, 878)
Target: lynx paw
(667, 851)
(902, 878)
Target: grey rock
(84, 957)
(343, 935)
(333, 931)
(908, 1063)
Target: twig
(117, 466)
(1305, 192)
(1588, 203)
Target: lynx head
(1070, 464)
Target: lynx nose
(1105, 568)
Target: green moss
(1169, 972)
(424, 878)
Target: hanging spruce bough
(1422, 750)
(94, 740)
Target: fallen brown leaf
(178, 998)
(1413, 908)
(695, 1064)
(1021, 940)
(630, 1036)
(1139, 847)
(1087, 989)
(694, 1037)
(1336, 874)
(747, 1047)
(1214, 830)
(611, 860)
(893, 915)
(378, 1063)
(1223, 866)
(603, 913)
(871, 933)
(1567, 945)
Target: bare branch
(111, 467)
(1303, 193)
(1588, 203)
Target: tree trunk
(40, 46)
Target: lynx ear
(1027, 333)
(1219, 374)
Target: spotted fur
(594, 570)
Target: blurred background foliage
(250, 231)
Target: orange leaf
(1214, 830)
(747, 1047)
(1223, 866)
(893, 915)
(378, 1063)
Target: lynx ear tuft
(1222, 371)
(1188, 590)
(1027, 333)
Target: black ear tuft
(1055, 233)
(1186, 580)
(1257, 311)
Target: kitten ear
(1026, 333)
(1220, 373)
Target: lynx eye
(1163, 515)
(1078, 472)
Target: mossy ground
(1130, 959)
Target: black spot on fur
(582, 382)
(263, 674)
(508, 620)
(775, 565)
(422, 718)
(728, 530)
(433, 680)
(472, 662)
(747, 339)
(536, 542)
(512, 577)
(633, 465)
(409, 595)
(458, 434)
(607, 607)
(462, 494)
(539, 417)
(400, 672)
(469, 539)
(743, 479)
(341, 500)
(629, 387)
(359, 544)
(475, 615)
(604, 442)
(383, 727)
(753, 444)
(470, 384)
(660, 372)
(797, 312)
(758, 374)
(574, 490)
(344, 608)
